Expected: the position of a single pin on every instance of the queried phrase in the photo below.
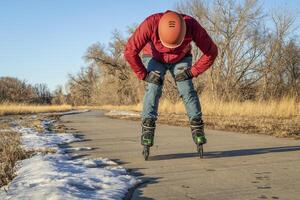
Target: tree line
(13, 90)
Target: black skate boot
(197, 128)
(147, 137)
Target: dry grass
(285, 108)
(279, 118)
(10, 153)
(8, 109)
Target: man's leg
(151, 100)
(191, 100)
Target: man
(165, 40)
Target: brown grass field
(13, 109)
(278, 118)
(285, 108)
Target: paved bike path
(236, 166)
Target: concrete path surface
(236, 166)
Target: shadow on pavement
(230, 153)
(136, 192)
(118, 161)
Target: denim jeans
(185, 88)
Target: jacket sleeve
(135, 44)
(206, 45)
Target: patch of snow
(59, 176)
(122, 112)
(80, 148)
(32, 140)
(72, 149)
(55, 176)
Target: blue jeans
(185, 88)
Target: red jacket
(146, 37)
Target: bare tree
(15, 90)
(292, 72)
(236, 28)
(58, 96)
(42, 93)
(81, 86)
(250, 63)
(280, 61)
(116, 74)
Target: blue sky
(43, 41)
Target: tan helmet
(171, 29)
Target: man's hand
(153, 77)
(184, 75)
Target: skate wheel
(146, 152)
(200, 150)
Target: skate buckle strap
(150, 127)
(197, 131)
(197, 126)
(148, 133)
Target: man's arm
(135, 44)
(206, 45)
